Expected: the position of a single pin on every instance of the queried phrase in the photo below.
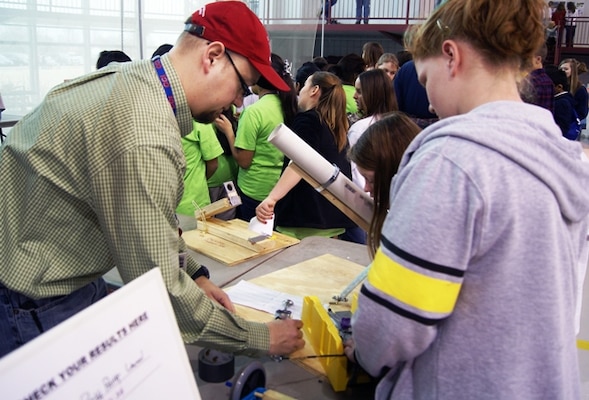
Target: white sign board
(126, 346)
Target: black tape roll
(215, 366)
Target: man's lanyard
(161, 73)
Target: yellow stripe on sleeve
(420, 291)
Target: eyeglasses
(244, 86)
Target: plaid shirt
(90, 180)
(543, 89)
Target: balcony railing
(382, 12)
(403, 12)
(581, 38)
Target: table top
(286, 377)
(222, 275)
(308, 248)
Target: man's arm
(135, 199)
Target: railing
(383, 12)
(578, 45)
(404, 12)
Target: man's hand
(214, 292)
(285, 336)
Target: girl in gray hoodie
(472, 292)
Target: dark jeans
(247, 209)
(354, 235)
(327, 9)
(570, 34)
(22, 318)
(362, 10)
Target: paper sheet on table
(264, 299)
(264, 229)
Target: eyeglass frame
(244, 86)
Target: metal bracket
(232, 195)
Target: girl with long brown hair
(377, 155)
(301, 211)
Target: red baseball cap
(240, 30)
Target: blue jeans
(327, 9)
(354, 235)
(570, 34)
(247, 209)
(23, 318)
(362, 9)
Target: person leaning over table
(91, 178)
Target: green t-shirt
(255, 125)
(199, 146)
(226, 171)
(351, 107)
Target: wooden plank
(217, 207)
(216, 248)
(322, 276)
(230, 253)
(273, 395)
(350, 213)
(236, 231)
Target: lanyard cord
(161, 73)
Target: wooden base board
(227, 241)
(235, 231)
(323, 276)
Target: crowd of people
(561, 26)
(481, 210)
(558, 89)
(564, 16)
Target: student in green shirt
(201, 150)
(260, 162)
(226, 164)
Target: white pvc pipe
(321, 170)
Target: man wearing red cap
(91, 178)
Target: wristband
(202, 271)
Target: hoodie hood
(538, 146)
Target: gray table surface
(286, 377)
(308, 248)
(221, 274)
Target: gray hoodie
(472, 293)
